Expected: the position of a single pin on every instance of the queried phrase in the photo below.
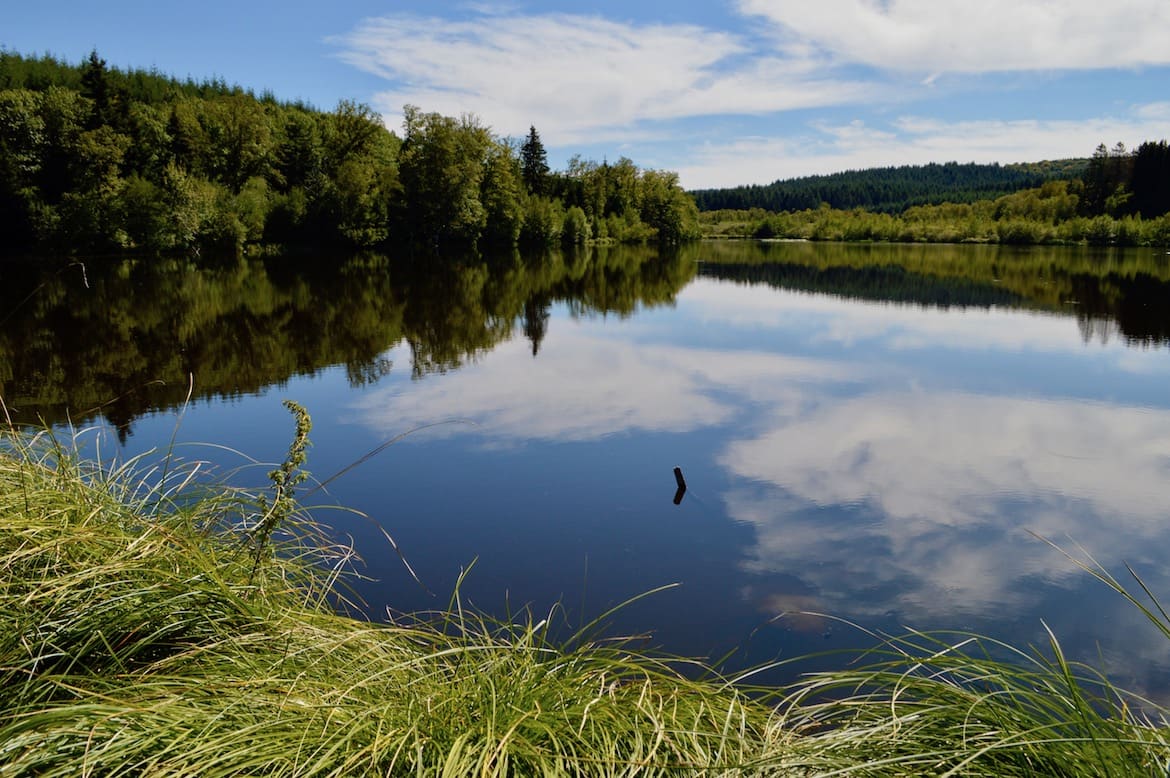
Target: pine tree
(1150, 181)
(534, 163)
(96, 86)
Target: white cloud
(960, 36)
(576, 76)
(913, 140)
(1158, 112)
(584, 79)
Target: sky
(724, 93)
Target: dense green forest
(891, 189)
(96, 159)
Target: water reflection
(126, 337)
(123, 338)
(1108, 290)
(895, 465)
(947, 486)
(587, 386)
(871, 432)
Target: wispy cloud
(690, 89)
(960, 36)
(576, 76)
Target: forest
(892, 189)
(95, 159)
(1120, 203)
(1116, 198)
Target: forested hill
(892, 189)
(94, 159)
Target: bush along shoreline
(157, 623)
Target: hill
(892, 189)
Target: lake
(872, 436)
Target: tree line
(1120, 183)
(891, 189)
(1050, 214)
(1117, 198)
(93, 158)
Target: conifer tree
(95, 85)
(534, 163)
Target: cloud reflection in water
(868, 494)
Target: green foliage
(1119, 183)
(441, 167)
(285, 479)
(544, 218)
(665, 208)
(962, 704)
(575, 229)
(1045, 215)
(1150, 180)
(133, 641)
(502, 196)
(86, 147)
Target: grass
(151, 624)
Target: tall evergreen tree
(1150, 181)
(95, 84)
(534, 163)
(1098, 183)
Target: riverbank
(155, 623)
(1047, 216)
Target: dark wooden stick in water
(682, 485)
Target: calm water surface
(872, 434)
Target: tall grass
(141, 632)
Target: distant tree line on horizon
(1049, 214)
(891, 189)
(93, 158)
(1121, 198)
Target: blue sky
(725, 93)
